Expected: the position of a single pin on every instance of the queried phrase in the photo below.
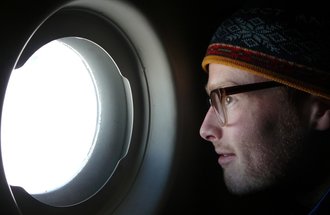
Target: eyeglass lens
(215, 100)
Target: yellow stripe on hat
(268, 74)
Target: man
(269, 118)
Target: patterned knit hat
(290, 49)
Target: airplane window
(50, 119)
(119, 70)
(67, 121)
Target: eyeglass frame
(223, 92)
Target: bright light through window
(49, 119)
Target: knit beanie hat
(279, 45)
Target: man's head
(269, 135)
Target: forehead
(221, 75)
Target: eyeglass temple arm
(251, 87)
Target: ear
(320, 114)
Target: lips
(226, 158)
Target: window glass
(49, 119)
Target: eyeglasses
(219, 98)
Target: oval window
(49, 119)
(67, 122)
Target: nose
(210, 129)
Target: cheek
(250, 122)
(254, 129)
(269, 143)
(256, 136)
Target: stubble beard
(269, 164)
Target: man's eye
(229, 100)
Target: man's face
(263, 138)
